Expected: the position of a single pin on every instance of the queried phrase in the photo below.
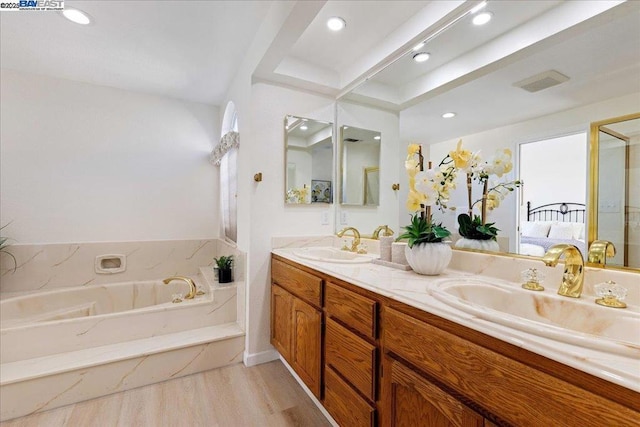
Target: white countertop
(413, 289)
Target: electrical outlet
(324, 218)
(344, 218)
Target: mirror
(615, 194)
(528, 75)
(308, 160)
(359, 166)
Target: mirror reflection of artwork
(371, 186)
(309, 153)
(360, 150)
(321, 191)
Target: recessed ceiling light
(377, 137)
(448, 115)
(77, 16)
(335, 23)
(303, 127)
(418, 47)
(482, 18)
(479, 7)
(421, 56)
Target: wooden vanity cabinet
(296, 321)
(373, 361)
(505, 390)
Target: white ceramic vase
(482, 245)
(429, 258)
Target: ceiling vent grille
(542, 81)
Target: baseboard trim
(260, 358)
(314, 399)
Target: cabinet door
(413, 401)
(281, 321)
(306, 345)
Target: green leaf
(422, 231)
(474, 229)
(224, 262)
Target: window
(225, 155)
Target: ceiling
(192, 50)
(595, 44)
(186, 50)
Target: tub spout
(190, 282)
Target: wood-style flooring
(233, 396)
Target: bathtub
(107, 338)
(72, 319)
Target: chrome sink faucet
(356, 239)
(573, 276)
(192, 286)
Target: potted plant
(426, 251)
(225, 266)
(3, 249)
(475, 231)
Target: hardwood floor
(233, 396)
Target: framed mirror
(359, 166)
(308, 161)
(615, 187)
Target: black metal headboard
(562, 211)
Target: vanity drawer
(353, 310)
(344, 404)
(352, 357)
(298, 282)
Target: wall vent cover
(541, 81)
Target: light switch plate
(344, 218)
(324, 218)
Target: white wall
(302, 159)
(634, 202)
(269, 215)
(357, 157)
(611, 193)
(81, 163)
(563, 123)
(367, 218)
(556, 163)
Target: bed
(552, 223)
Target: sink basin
(327, 254)
(574, 321)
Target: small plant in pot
(3, 249)
(225, 266)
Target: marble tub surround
(239, 277)
(48, 266)
(115, 318)
(59, 381)
(417, 291)
(54, 362)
